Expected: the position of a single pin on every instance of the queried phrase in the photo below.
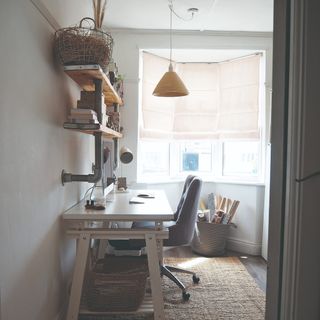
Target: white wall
(35, 257)
(247, 237)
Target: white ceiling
(213, 15)
(217, 15)
(239, 15)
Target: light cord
(94, 186)
(177, 15)
(83, 198)
(171, 10)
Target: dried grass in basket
(80, 45)
(117, 284)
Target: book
(84, 120)
(83, 116)
(82, 126)
(82, 111)
(84, 105)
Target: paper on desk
(136, 200)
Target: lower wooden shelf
(90, 128)
(146, 307)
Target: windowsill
(158, 180)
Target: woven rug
(226, 291)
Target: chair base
(167, 271)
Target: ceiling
(217, 15)
(240, 15)
(213, 15)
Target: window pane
(196, 156)
(240, 158)
(155, 157)
(190, 161)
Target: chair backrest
(185, 187)
(182, 232)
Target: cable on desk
(93, 187)
(308, 177)
(81, 198)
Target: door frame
(287, 271)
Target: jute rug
(226, 291)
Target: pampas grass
(99, 7)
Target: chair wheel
(195, 279)
(185, 296)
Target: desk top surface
(118, 208)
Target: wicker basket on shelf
(117, 284)
(82, 45)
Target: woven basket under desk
(117, 284)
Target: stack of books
(83, 116)
(88, 101)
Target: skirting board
(246, 247)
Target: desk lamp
(126, 156)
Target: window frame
(217, 162)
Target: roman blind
(157, 114)
(223, 102)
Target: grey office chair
(180, 231)
(185, 188)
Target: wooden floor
(256, 265)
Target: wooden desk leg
(78, 276)
(153, 262)
(159, 226)
(160, 251)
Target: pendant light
(170, 85)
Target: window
(241, 158)
(214, 132)
(196, 156)
(154, 158)
(213, 160)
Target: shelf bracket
(97, 172)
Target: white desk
(81, 224)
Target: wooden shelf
(91, 128)
(83, 75)
(146, 307)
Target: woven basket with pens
(83, 45)
(117, 284)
